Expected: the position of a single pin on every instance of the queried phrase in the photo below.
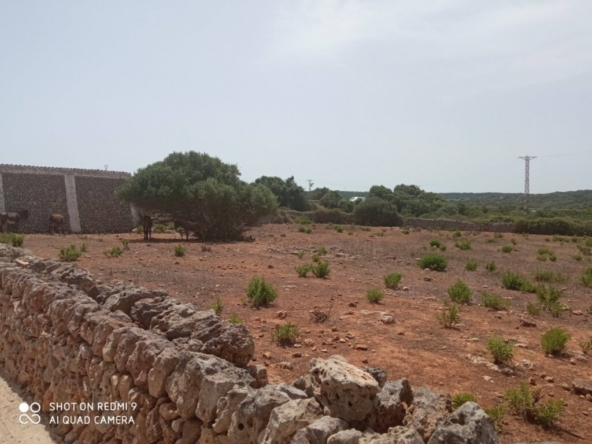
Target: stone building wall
(128, 365)
(85, 197)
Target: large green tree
(288, 193)
(200, 188)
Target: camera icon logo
(25, 408)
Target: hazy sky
(445, 94)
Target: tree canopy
(288, 193)
(200, 188)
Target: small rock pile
(68, 339)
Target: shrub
(234, 319)
(578, 258)
(585, 250)
(586, 346)
(321, 270)
(260, 293)
(300, 254)
(286, 334)
(374, 295)
(113, 252)
(380, 234)
(303, 269)
(524, 402)
(587, 278)
(14, 239)
(513, 241)
(377, 212)
(160, 228)
(502, 351)
(549, 299)
(319, 316)
(507, 249)
(435, 243)
(391, 280)
(497, 415)
(471, 265)
(125, 243)
(433, 262)
(460, 398)
(513, 281)
(303, 220)
(321, 251)
(179, 250)
(140, 229)
(463, 245)
(217, 306)
(206, 248)
(553, 340)
(552, 257)
(491, 266)
(70, 253)
(450, 315)
(457, 234)
(302, 229)
(339, 228)
(548, 276)
(533, 309)
(315, 258)
(83, 248)
(405, 231)
(460, 293)
(494, 302)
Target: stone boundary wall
(182, 376)
(447, 224)
(85, 197)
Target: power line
(527, 160)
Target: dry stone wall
(447, 224)
(149, 369)
(85, 197)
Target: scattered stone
(285, 365)
(282, 314)
(361, 347)
(525, 322)
(387, 318)
(469, 424)
(582, 387)
(405, 288)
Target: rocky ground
(414, 346)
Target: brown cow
(13, 219)
(147, 227)
(188, 226)
(57, 223)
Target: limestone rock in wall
(427, 411)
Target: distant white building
(353, 199)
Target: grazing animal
(57, 224)
(147, 227)
(13, 219)
(188, 226)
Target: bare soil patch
(416, 346)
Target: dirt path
(11, 430)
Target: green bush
(491, 266)
(460, 293)
(321, 270)
(435, 243)
(179, 250)
(217, 306)
(377, 212)
(551, 226)
(83, 248)
(300, 254)
(391, 280)
(114, 252)
(585, 250)
(586, 346)
(321, 251)
(14, 239)
(315, 258)
(159, 228)
(494, 302)
(549, 299)
(286, 335)
(457, 234)
(374, 295)
(339, 228)
(513, 281)
(502, 351)
(460, 398)
(553, 340)
(507, 249)
(302, 229)
(463, 245)
(405, 231)
(260, 293)
(433, 262)
(548, 276)
(513, 241)
(587, 278)
(533, 309)
(303, 269)
(497, 415)
(70, 253)
(471, 265)
(524, 402)
(303, 220)
(450, 315)
(234, 319)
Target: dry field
(416, 346)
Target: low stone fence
(461, 225)
(128, 365)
